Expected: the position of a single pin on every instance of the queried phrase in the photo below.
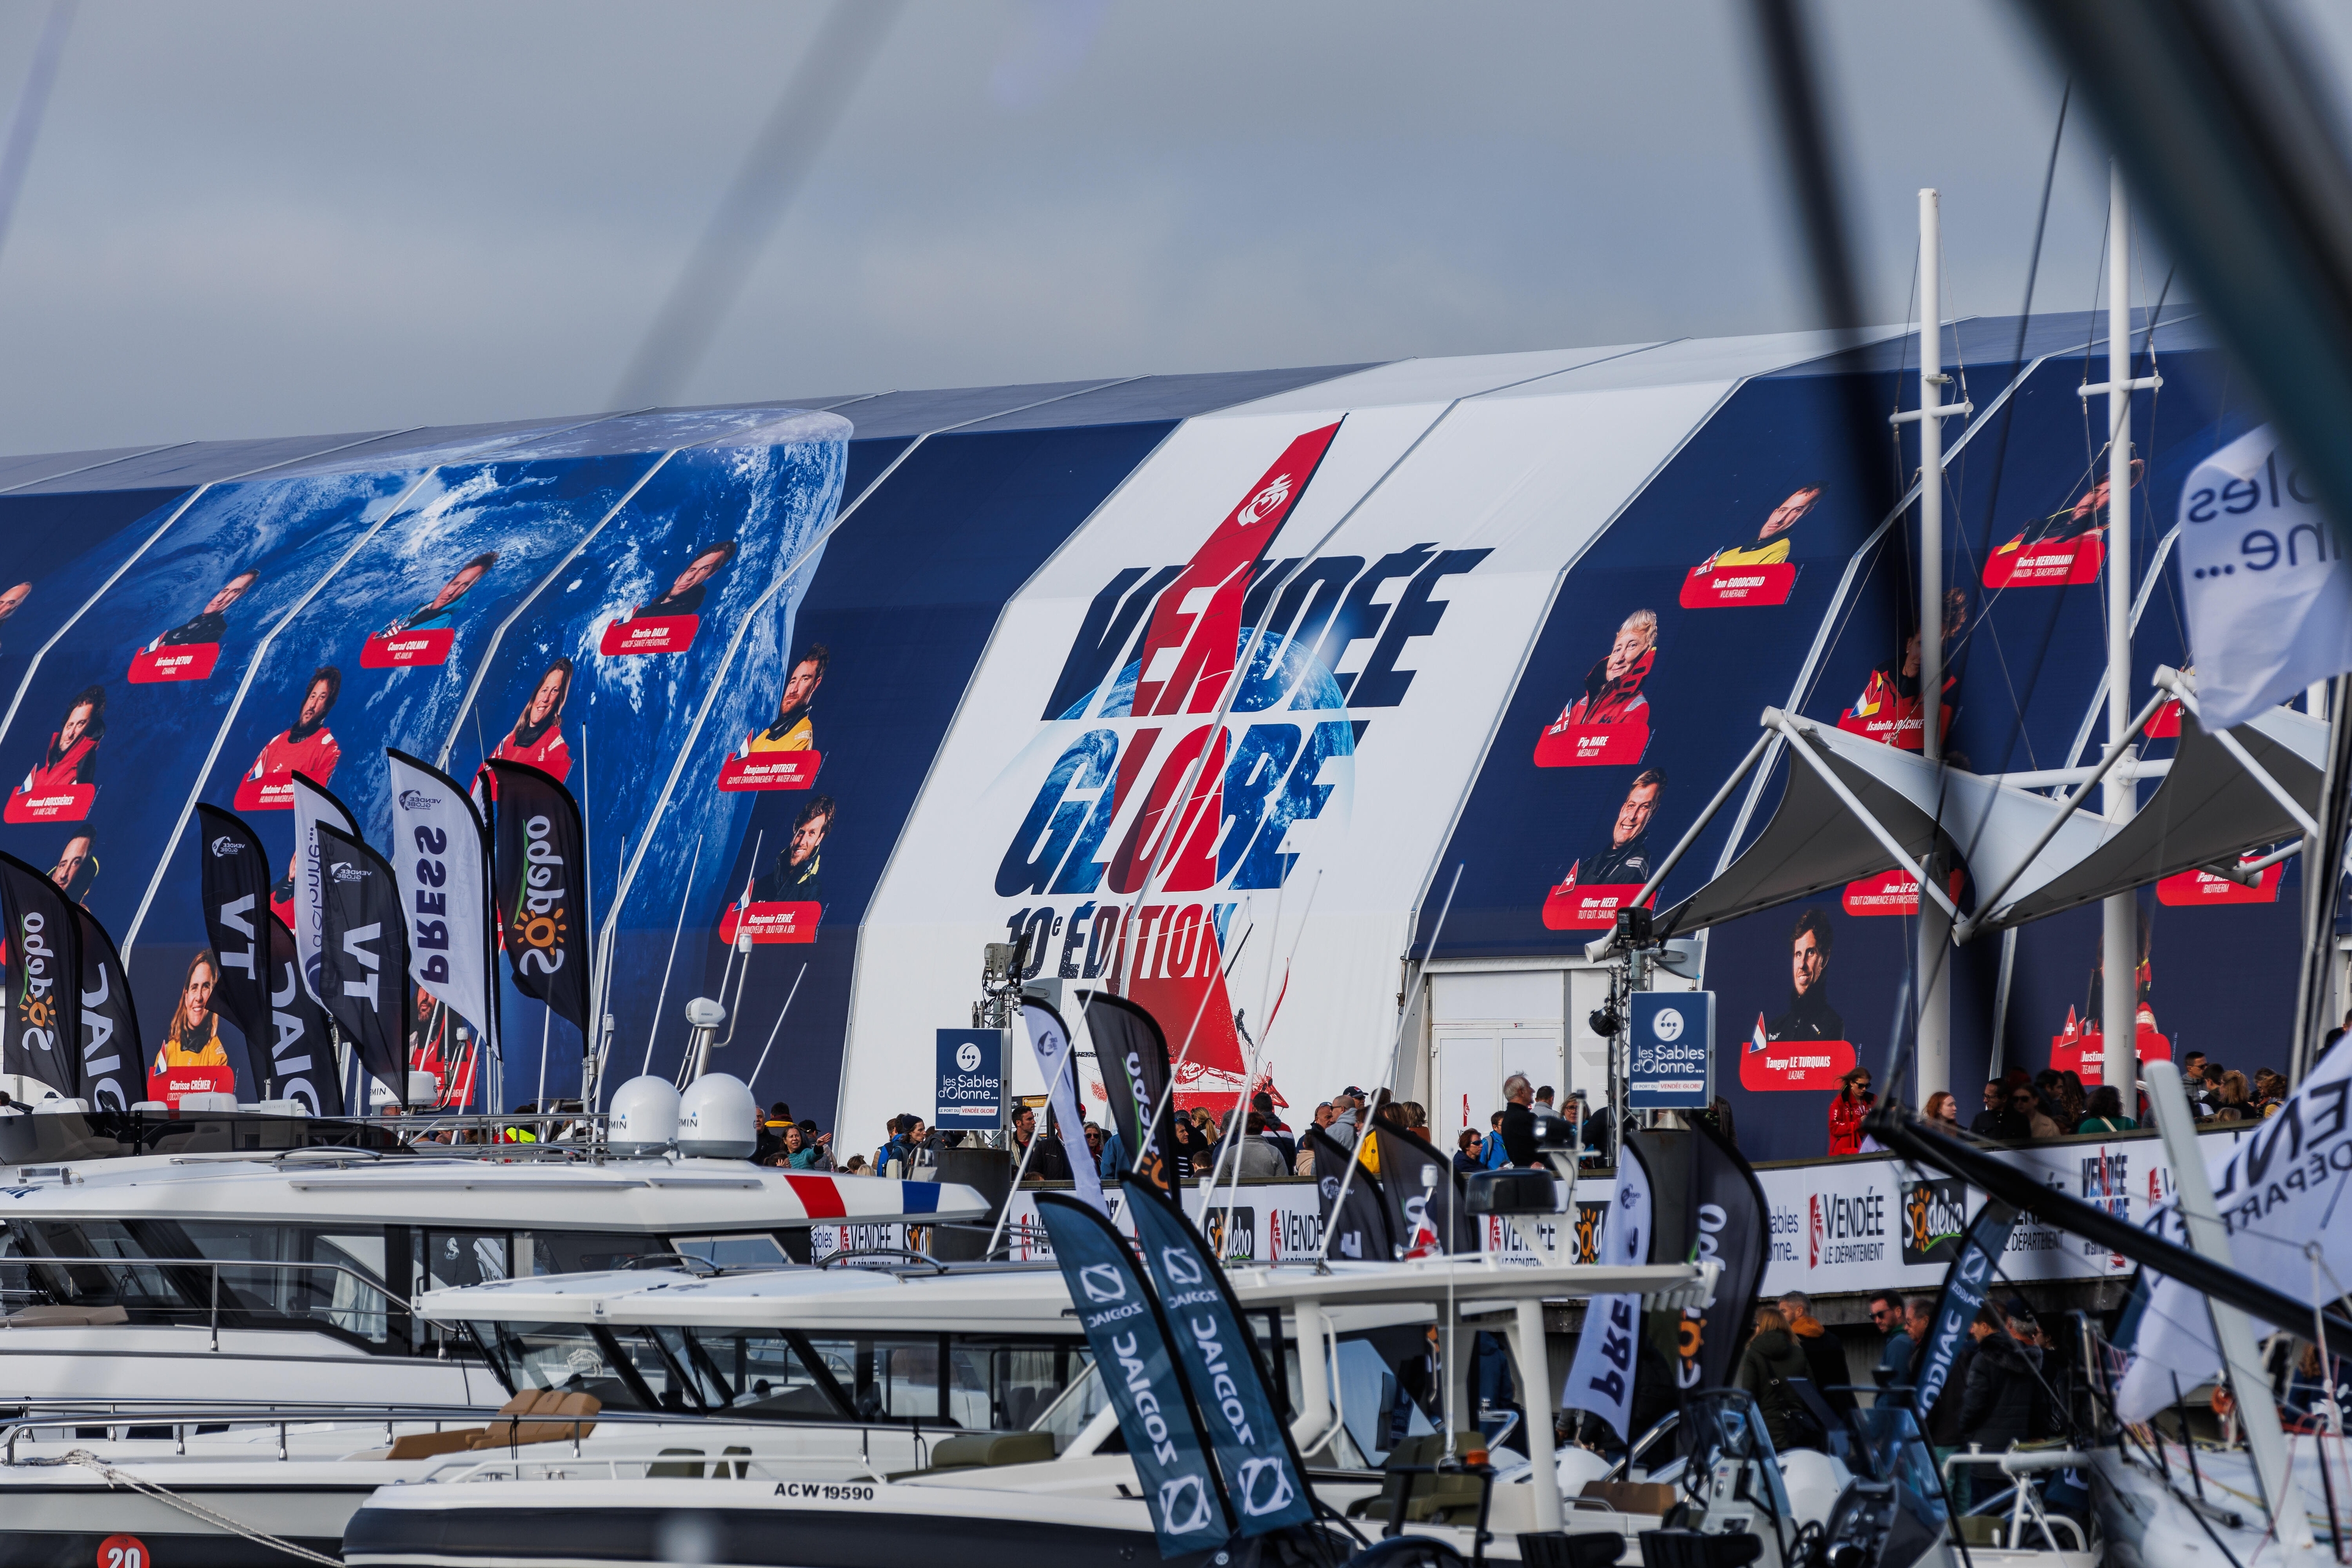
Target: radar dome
(644, 1118)
(718, 1118)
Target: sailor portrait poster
(306, 592)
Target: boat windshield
(981, 1382)
(1892, 1450)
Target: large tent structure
(1215, 688)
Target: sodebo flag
(2269, 592)
(441, 854)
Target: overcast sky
(267, 219)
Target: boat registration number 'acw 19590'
(824, 1491)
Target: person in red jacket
(72, 756)
(309, 747)
(1612, 687)
(537, 738)
(1852, 1103)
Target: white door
(1469, 1085)
(1536, 1053)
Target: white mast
(1933, 958)
(2118, 980)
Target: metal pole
(1933, 1063)
(2118, 980)
(1536, 1398)
(2232, 1330)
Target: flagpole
(2119, 913)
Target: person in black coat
(1825, 1352)
(2003, 1388)
(1519, 1120)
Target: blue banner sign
(1672, 1046)
(971, 1082)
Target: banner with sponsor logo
(1143, 1375)
(542, 888)
(109, 1022)
(1049, 1043)
(1131, 1054)
(2267, 590)
(970, 1086)
(1362, 1224)
(1975, 1254)
(441, 855)
(303, 1063)
(363, 969)
(2279, 1190)
(233, 881)
(1423, 1194)
(1601, 1379)
(40, 1027)
(1263, 1474)
(300, 897)
(1728, 1226)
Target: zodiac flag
(1124, 1328)
(1967, 1282)
(111, 1077)
(541, 866)
(303, 1064)
(1263, 1474)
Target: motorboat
(1065, 1488)
(284, 1275)
(654, 1371)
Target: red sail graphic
(1173, 965)
(1195, 631)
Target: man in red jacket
(308, 746)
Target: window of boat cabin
(760, 1250)
(333, 1278)
(978, 1383)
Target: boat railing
(211, 1266)
(2025, 1510)
(172, 1420)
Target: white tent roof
(1816, 840)
(2208, 809)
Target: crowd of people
(1254, 1142)
(2020, 1107)
(2004, 1387)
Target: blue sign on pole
(1673, 1043)
(971, 1082)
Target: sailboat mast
(1934, 1058)
(2119, 947)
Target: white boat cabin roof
(1030, 1296)
(658, 1195)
